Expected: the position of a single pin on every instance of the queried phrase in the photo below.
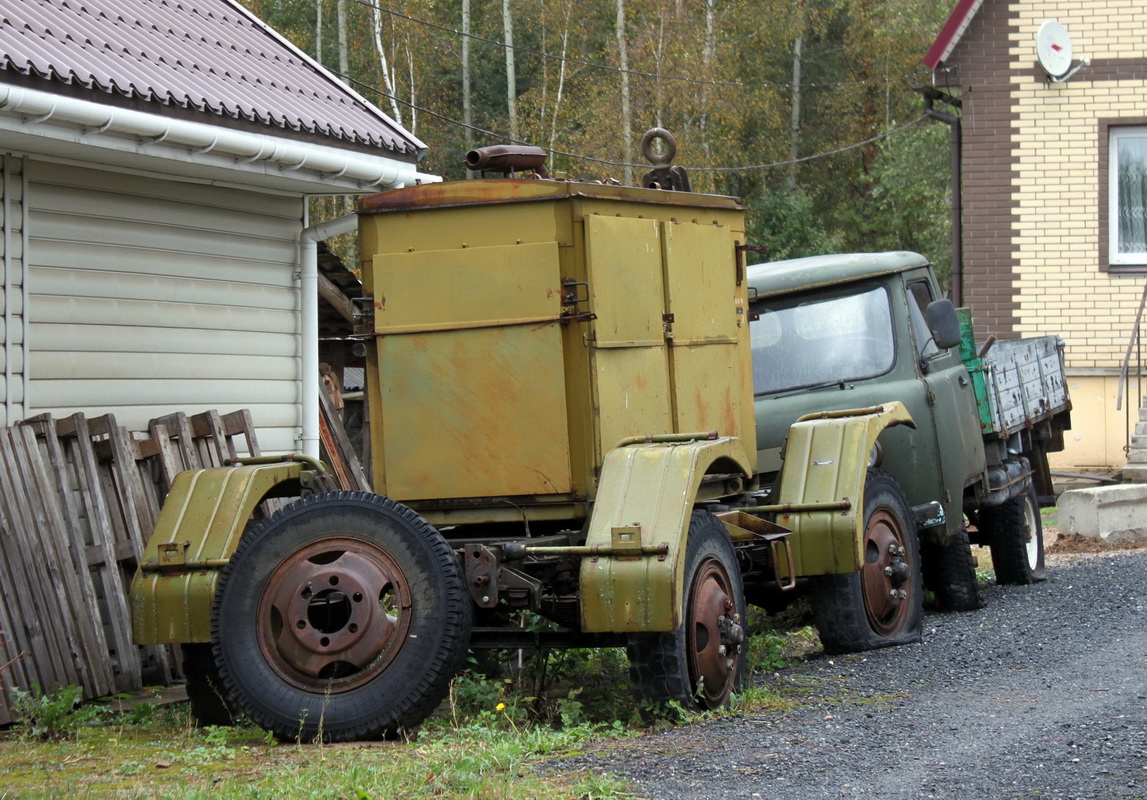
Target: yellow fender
(826, 461)
(640, 523)
(198, 529)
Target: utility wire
(607, 162)
(791, 161)
(636, 73)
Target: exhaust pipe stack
(507, 158)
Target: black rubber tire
(1015, 534)
(661, 665)
(380, 678)
(856, 612)
(205, 691)
(950, 572)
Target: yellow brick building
(1054, 193)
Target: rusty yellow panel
(708, 390)
(651, 488)
(623, 256)
(709, 355)
(701, 283)
(451, 289)
(444, 228)
(202, 520)
(632, 393)
(825, 462)
(473, 413)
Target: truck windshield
(801, 342)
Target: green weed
(51, 716)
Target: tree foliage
(717, 73)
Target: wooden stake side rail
(78, 499)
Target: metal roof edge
(950, 34)
(261, 159)
(370, 107)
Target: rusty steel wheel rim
(713, 634)
(885, 575)
(333, 615)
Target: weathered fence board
(78, 499)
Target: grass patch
(169, 757)
(503, 717)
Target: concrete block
(1110, 514)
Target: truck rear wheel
(700, 664)
(950, 572)
(342, 616)
(1015, 533)
(880, 604)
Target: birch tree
(384, 65)
(626, 116)
(511, 74)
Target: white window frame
(1114, 257)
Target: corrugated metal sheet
(209, 56)
(184, 302)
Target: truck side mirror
(943, 323)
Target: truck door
(951, 399)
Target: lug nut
(721, 650)
(888, 571)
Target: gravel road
(1043, 693)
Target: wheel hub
(333, 614)
(714, 635)
(886, 575)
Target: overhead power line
(595, 160)
(635, 73)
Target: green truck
(573, 443)
(844, 331)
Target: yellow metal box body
(524, 327)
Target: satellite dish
(1053, 48)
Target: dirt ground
(1059, 547)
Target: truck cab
(850, 331)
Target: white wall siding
(13, 325)
(150, 296)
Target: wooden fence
(78, 499)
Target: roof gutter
(343, 170)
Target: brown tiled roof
(209, 57)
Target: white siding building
(153, 223)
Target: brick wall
(1034, 186)
(982, 74)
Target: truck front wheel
(342, 616)
(881, 603)
(1015, 533)
(700, 664)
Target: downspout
(9, 350)
(309, 239)
(953, 122)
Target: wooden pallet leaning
(65, 606)
(104, 549)
(132, 518)
(73, 553)
(78, 499)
